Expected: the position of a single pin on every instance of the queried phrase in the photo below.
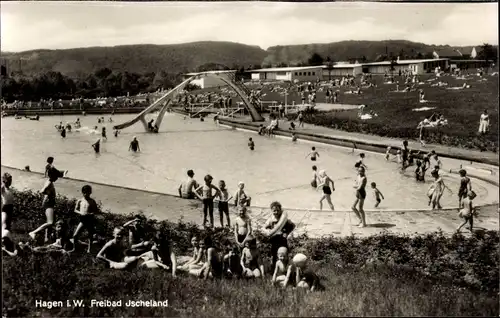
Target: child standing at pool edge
(378, 195)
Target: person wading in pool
(314, 154)
(134, 145)
(360, 197)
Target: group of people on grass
(152, 249)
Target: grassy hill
(176, 58)
(173, 58)
(342, 51)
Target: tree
(315, 60)
(488, 52)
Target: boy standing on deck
(377, 194)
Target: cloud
(33, 25)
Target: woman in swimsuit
(324, 182)
(49, 202)
(360, 197)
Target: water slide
(241, 91)
(157, 104)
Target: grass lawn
(384, 275)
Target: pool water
(275, 170)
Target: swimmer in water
(97, 146)
(103, 133)
(314, 154)
(294, 138)
(251, 144)
(377, 194)
(63, 132)
(116, 132)
(134, 145)
(110, 119)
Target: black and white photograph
(249, 159)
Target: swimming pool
(275, 170)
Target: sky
(61, 25)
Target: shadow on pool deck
(168, 207)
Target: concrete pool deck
(315, 223)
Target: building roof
(449, 52)
(404, 62)
(210, 72)
(285, 69)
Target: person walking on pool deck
(314, 154)
(360, 197)
(186, 188)
(134, 145)
(7, 201)
(324, 184)
(208, 199)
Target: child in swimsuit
(7, 201)
(465, 185)
(377, 194)
(282, 267)
(314, 154)
(242, 227)
(223, 204)
(305, 278)
(48, 204)
(250, 259)
(241, 198)
(420, 172)
(86, 208)
(466, 211)
(314, 181)
(208, 199)
(251, 144)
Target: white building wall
(284, 76)
(255, 76)
(306, 75)
(347, 71)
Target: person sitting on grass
(304, 277)
(467, 211)
(62, 245)
(113, 252)
(250, 259)
(242, 227)
(161, 254)
(186, 261)
(240, 197)
(86, 208)
(282, 267)
(8, 246)
(232, 265)
(136, 236)
(213, 263)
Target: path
(314, 223)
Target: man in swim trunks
(134, 145)
(314, 154)
(186, 188)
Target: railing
(231, 114)
(201, 110)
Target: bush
(457, 262)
